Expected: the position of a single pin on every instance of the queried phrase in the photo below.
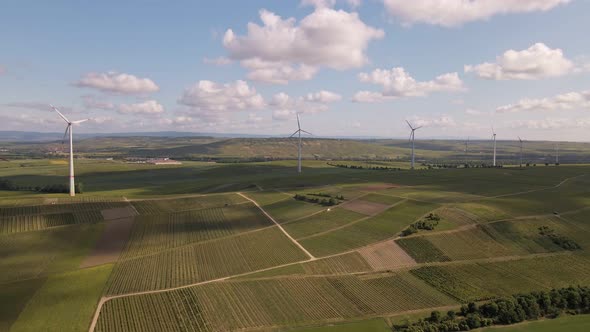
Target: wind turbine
(494, 138)
(466, 144)
(298, 132)
(69, 129)
(412, 136)
(521, 141)
(557, 153)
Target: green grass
(383, 226)
(578, 323)
(14, 298)
(148, 207)
(321, 222)
(33, 254)
(264, 198)
(372, 325)
(381, 199)
(65, 302)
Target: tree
(435, 316)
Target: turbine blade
(307, 132)
(298, 124)
(65, 134)
(295, 133)
(80, 121)
(418, 127)
(408, 122)
(58, 112)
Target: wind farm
(295, 166)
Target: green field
(579, 323)
(210, 260)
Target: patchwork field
(179, 249)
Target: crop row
(148, 207)
(59, 208)
(154, 233)
(228, 306)
(205, 261)
(471, 282)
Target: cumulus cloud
(537, 61)
(323, 97)
(397, 83)
(148, 107)
(552, 123)
(285, 107)
(443, 121)
(565, 101)
(208, 96)
(450, 13)
(282, 49)
(117, 83)
(329, 3)
(219, 61)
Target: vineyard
(204, 261)
(381, 227)
(155, 233)
(291, 209)
(422, 250)
(26, 223)
(321, 222)
(471, 282)
(269, 302)
(162, 206)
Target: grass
(371, 325)
(34, 254)
(381, 199)
(577, 323)
(15, 296)
(383, 226)
(290, 209)
(65, 302)
(205, 261)
(148, 207)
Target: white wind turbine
(412, 136)
(69, 129)
(298, 132)
(494, 138)
(466, 144)
(557, 153)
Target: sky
(346, 67)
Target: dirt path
(311, 257)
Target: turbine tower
(494, 138)
(412, 136)
(521, 141)
(298, 132)
(69, 129)
(557, 153)
(466, 144)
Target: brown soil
(386, 256)
(110, 244)
(118, 213)
(364, 207)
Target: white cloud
(397, 83)
(552, 123)
(219, 61)
(450, 13)
(538, 61)
(444, 121)
(277, 72)
(117, 83)
(471, 111)
(91, 102)
(211, 97)
(329, 3)
(565, 101)
(323, 97)
(149, 107)
(283, 115)
(332, 38)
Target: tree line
(505, 311)
(6, 184)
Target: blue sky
(357, 68)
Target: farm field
(373, 325)
(196, 255)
